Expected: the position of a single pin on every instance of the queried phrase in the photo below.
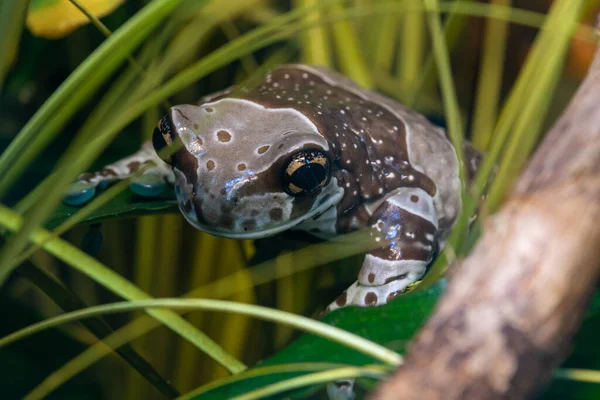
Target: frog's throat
(332, 201)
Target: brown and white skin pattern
(127, 166)
(373, 164)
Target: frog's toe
(341, 390)
(148, 185)
(370, 296)
(79, 193)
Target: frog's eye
(306, 173)
(162, 137)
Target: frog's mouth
(272, 229)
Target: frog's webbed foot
(151, 183)
(407, 222)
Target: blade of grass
(12, 16)
(234, 329)
(260, 371)
(372, 371)
(385, 38)
(68, 301)
(80, 85)
(308, 257)
(542, 51)
(206, 251)
(413, 45)
(120, 286)
(315, 43)
(455, 130)
(442, 59)
(528, 126)
(578, 375)
(453, 27)
(305, 324)
(490, 80)
(348, 51)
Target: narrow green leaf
(73, 93)
(120, 286)
(12, 15)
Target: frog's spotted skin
(380, 166)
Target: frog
(306, 148)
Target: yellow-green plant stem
(384, 40)
(12, 15)
(68, 301)
(490, 80)
(305, 324)
(413, 45)
(578, 375)
(348, 50)
(528, 126)
(544, 57)
(308, 257)
(442, 59)
(260, 371)
(313, 379)
(315, 43)
(72, 94)
(120, 286)
(537, 73)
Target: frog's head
(243, 170)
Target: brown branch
(514, 305)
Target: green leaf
(392, 325)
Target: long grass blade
(73, 93)
(305, 324)
(490, 80)
(120, 286)
(68, 301)
(313, 379)
(12, 16)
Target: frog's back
(378, 145)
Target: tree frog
(308, 149)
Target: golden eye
(306, 173)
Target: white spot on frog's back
(416, 201)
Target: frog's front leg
(151, 183)
(407, 223)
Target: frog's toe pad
(341, 390)
(148, 185)
(79, 193)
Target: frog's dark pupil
(309, 176)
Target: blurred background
(161, 254)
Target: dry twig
(515, 303)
